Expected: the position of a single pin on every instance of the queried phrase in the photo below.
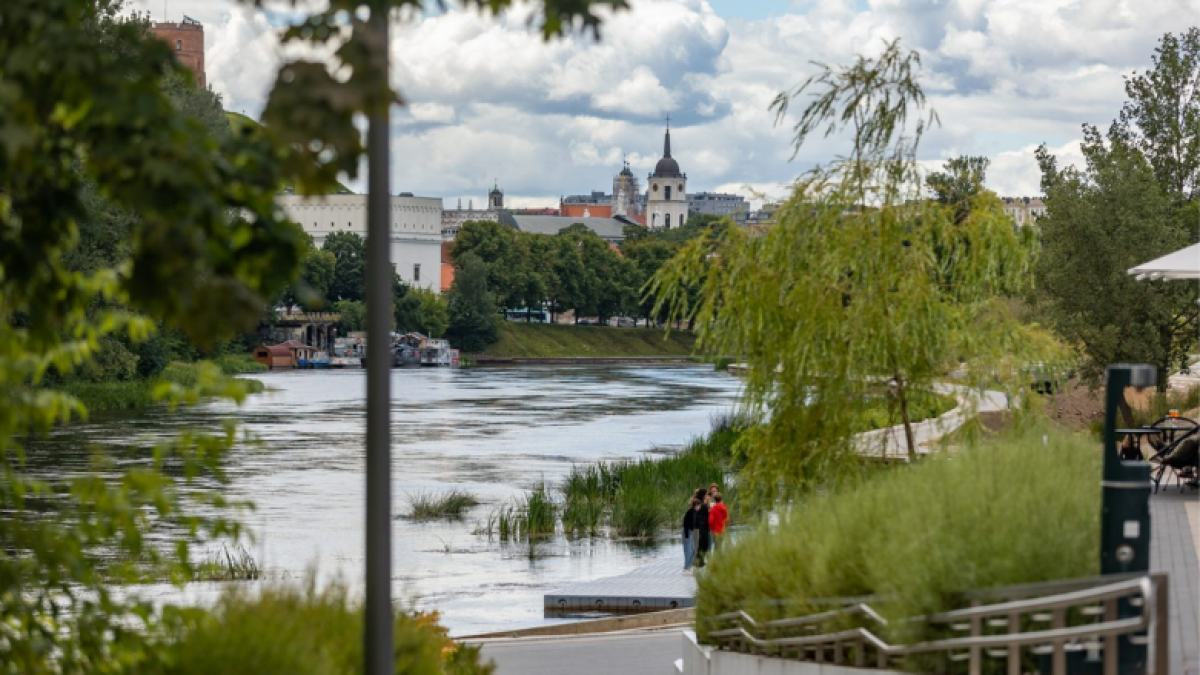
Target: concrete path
(891, 444)
(646, 653)
(658, 586)
(1175, 549)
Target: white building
(452, 221)
(416, 229)
(666, 193)
(1024, 210)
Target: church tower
(496, 198)
(666, 194)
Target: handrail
(1147, 621)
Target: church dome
(667, 167)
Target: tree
(1099, 222)
(423, 311)
(350, 265)
(837, 306)
(472, 308)
(195, 242)
(960, 180)
(1161, 119)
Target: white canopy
(1182, 264)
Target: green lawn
(518, 340)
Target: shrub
(1004, 512)
(293, 632)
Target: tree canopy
(1133, 201)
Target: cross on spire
(668, 118)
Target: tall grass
(433, 505)
(1004, 512)
(645, 497)
(227, 565)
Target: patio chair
(1180, 456)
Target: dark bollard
(1125, 519)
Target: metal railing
(1083, 618)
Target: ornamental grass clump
(450, 504)
(1012, 511)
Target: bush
(1004, 512)
(284, 631)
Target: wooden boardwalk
(650, 588)
(1175, 550)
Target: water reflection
(494, 432)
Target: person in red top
(718, 517)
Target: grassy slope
(548, 340)
(238, 120)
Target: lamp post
(1125, 518)
(378, 622)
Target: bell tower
(496, 197)
(666, 190)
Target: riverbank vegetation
(433, 505)
(1009, 511)
(520, 340)
(140, 392)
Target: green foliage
(960, 181)
(1099, 222)
(860, 284)
(1161, 119)
(353, 315)
(433, 505)
(237, 364)
(111, 361)
(349, 280)
(423, 311)
(301, 632)
(472, 308)
(1007, 512)
(1135, 200)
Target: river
(495, 432)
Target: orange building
(585, 210)
(187, 39)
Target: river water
(493, 432)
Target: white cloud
(490, 100)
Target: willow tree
(861, 289)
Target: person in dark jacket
(701, 541)
(689, 534)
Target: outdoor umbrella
(1182, 264)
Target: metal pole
(377, 647)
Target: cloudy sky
(490, 101)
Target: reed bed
(451, 504)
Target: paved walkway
(649, 653)
(1175, 549)
(890, 443)
(657, 586)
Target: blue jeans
(688, 552)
